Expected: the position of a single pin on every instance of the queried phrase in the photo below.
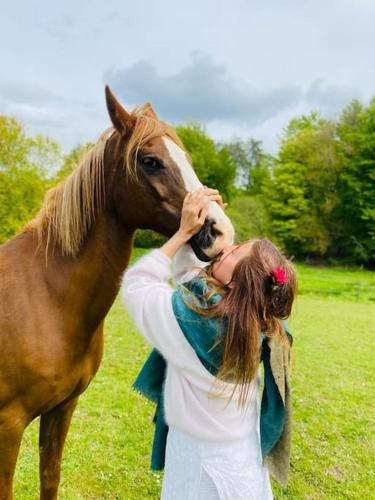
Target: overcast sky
(241, 67)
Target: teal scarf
(201, 333)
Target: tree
(253, 165)
(302, 195)
(72, 159)
(212, 163)
(25, 165)
(249, 217)
(356, 186)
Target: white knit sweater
(190, 403)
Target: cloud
(201, 91)
(28, 94)
(60, 27)
(331, 97)
(36, 115)
(32, 104)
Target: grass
(349, 284)
(107, 451)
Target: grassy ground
(107, 451)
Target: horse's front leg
(12, 425)
(54, 427)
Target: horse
(60, 275)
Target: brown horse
(61, 274)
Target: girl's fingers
(204, 191)
(217, 198)
(203, 215)
(203, 196)
(195, 208)
(202, 203)
(187, 197)
(211, 191)
(206, 196)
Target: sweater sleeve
(147, 297)
(186, 264)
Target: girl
(209, 336)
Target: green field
(107, 451)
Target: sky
(241, 68)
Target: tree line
(315, 197)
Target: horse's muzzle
(204, 239)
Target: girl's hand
(195, 209)
(194, 212)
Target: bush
(249, 217)
(145, 238)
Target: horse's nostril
(214, 231)
(204, 238)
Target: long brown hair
(255, 304)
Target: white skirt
(206, 470)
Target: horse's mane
(69, 209)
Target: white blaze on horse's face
(222, 223)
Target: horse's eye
(151, 164)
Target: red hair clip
(280, 275)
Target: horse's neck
(89, 283)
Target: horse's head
(148, 192)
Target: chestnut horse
(61, 274)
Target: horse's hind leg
(54, 427)
(11, 431)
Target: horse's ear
(121, 119)
(149, 111)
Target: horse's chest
(65, 377)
